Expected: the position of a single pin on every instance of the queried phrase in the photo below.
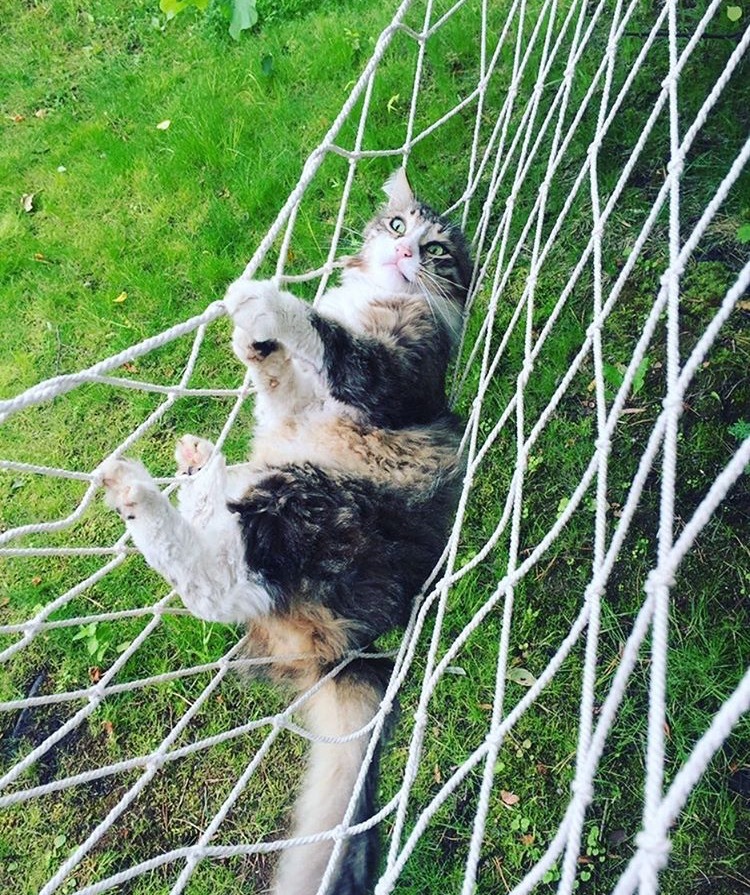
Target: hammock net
(564, 148)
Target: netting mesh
(554, 146)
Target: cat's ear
(398, 190)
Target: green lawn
(132, 228)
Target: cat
(320, 542)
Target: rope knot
(593, 328)
(658, 578)
(494, 739)
(671, 403)
(340, 832)
(669, 82)
(670, 275)
(656, 847)
(584, 789)
(676, 166)
(97, 693)
(32, 629)
(386, 706)
(154, 764)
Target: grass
(143, 228)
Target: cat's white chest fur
(347, 304)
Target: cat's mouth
(395, 265)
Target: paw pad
(192, 453)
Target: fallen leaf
(521, 676)
(485, 706)
(17, 118)
(61, 169)
(437, 776)
(509, 798)
(739, 783)
(542, 769)
(616, 837)
(244, 16)
(743, 305)
(734, 13)
(27, 203)
(266, 65)
(109, 729)
(95, 674)
(130, 368)
(36, 580)
(163, 125)
(120, 298)
(41, 113)
(527, 839)
(455, 669)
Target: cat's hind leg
(197, 549)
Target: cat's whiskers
(439, 300)
(443, 287)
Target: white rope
(518, 149)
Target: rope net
(547, 164)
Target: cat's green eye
(398, 225)
(435, 250)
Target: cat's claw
(249, 349)
(128, 486)
(192, 453)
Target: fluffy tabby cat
(320, 542)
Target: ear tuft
(398, 190)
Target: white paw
(128, 486)
(192, 453)
(252, 305)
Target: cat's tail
(343, 705)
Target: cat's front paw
(252, 306)
(192, 453)
(250, 350)
(128, 487)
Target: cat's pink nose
(403, 250)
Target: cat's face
(410, 248)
